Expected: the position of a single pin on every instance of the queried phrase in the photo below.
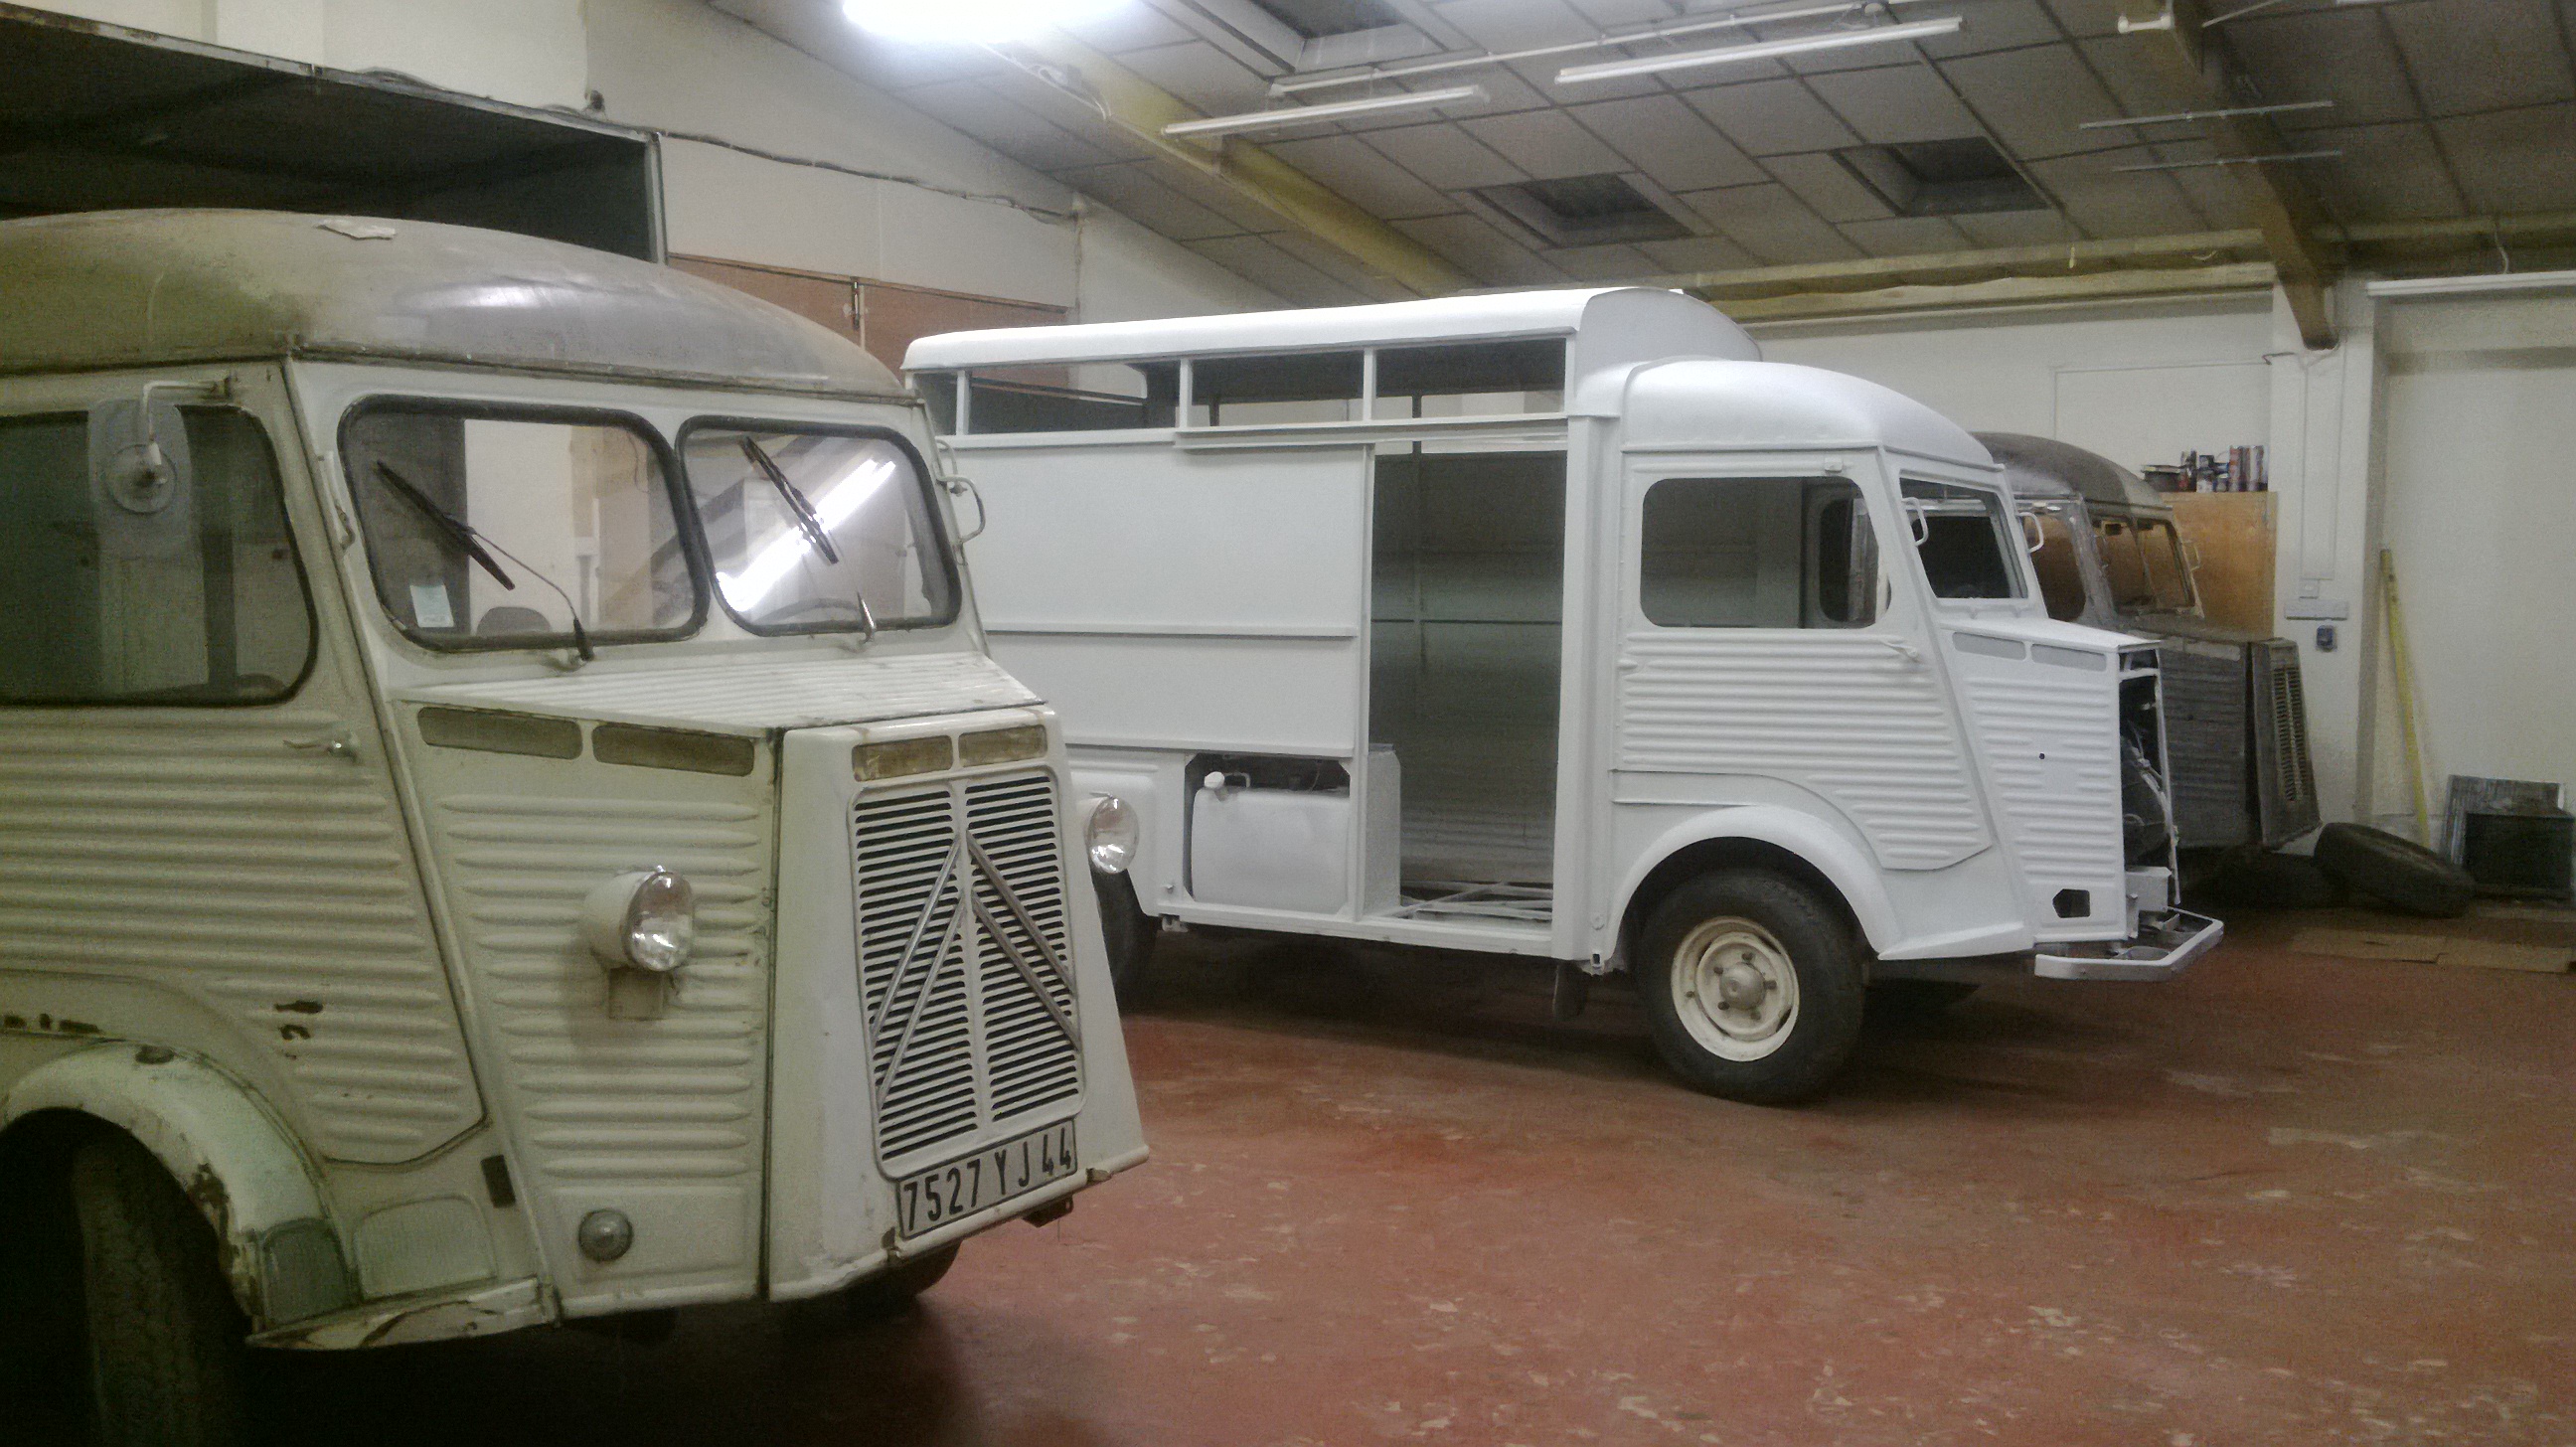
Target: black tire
(1916, 999)
(42, 1360)
(2254, 878)
(884, 1295)
(164, 1337)
(1126, 929)
(1726, 919)
(2397, 872)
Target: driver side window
(193, 599)
(1756, 552)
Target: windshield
(1965, 539)
(2143, 558)
(504, 528)
(815, 529)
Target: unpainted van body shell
(2236, 709)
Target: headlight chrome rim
(1111, 835)
(645, 919)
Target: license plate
(932, 1198)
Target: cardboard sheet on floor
(2355, 944)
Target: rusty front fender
(272, 1231)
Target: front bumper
(2165, 945)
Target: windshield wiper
(806, 518)
(459, 532)
(471, 543)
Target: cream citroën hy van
(505, 812)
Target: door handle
(337, 744)
(1901, 649)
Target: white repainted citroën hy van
(505, 813)
(1560, 624)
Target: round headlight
(1112, 834)
(647, 920)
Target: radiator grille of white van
(965, 963)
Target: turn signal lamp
(900, 758)
(1002, 746)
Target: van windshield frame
(942, 585)
(1951, 520)
(377, 504)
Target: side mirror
(139, 470)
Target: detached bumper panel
(2165, 946)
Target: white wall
(680, 65)
(2136, 383)
(2477, 486)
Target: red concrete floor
(2288, 1200)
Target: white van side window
(199, 601)
(1757, 552)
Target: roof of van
(118, 288)
(1676, 324)
(1723, 404)
(2043, 467)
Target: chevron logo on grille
(966, 971)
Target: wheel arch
(1757, 836)
(228, 1155)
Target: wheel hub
(1741, 987)
(1735, 989)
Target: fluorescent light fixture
(1764, 50)
(2325, 155)
(969, 22)
(1599, 42)
(1336, 110)
(2177, 116)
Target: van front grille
(2290, 735)
(965, 963)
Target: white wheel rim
(1734, 988)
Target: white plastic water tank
(1270, 848)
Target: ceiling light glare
(1760, 50)
(969, 22)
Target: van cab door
(1762, 657)
(199, 835)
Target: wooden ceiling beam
(2010, 291)
(2282, 205)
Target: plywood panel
(824, 300)
(2236, 535)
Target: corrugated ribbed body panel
(1840, 714)
(225, 857)
(657, 1112)
(2055, 762)
(2207, 739)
